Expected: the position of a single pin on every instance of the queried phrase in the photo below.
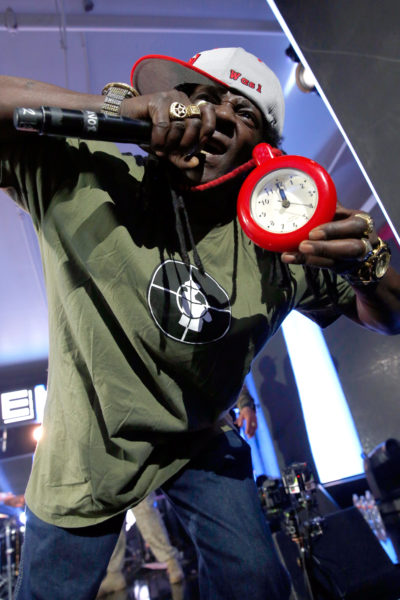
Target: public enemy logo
(187, 306)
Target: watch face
(284, 200)
(382, 264)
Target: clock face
(284, 200)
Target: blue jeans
(214, 496)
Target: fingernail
(317, 234)
(306, 247)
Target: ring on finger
(367, 249)
(193, 111)
(369, 220)
(177, 111)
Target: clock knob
(264, 152)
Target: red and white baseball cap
(231, 67)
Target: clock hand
(285, 201)
(301, 204)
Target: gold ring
(201, 102)
(368, 249)
(177, 111)
(369, 220)
(193, 111)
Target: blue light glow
(40, 401)
(388, 547)
(262, 449)
(333, 438)
(291, 81)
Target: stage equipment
(382, 470)
(11, 538)
(330, 554)
(273, 499)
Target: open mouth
(213, 147)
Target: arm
(247, 413)
(169, 138)
(17, 91)
(338, 246)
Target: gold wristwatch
(373, 268)
(114, 94)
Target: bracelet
(114, 94)
(373, 268)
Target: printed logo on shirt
(187, 306)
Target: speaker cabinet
(347, 562)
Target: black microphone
(85, 124)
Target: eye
(247, 115)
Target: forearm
(378, 305)
(16, 91)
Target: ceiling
(57, 41)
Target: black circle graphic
(188, 306)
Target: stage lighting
(305, 79)
(37, 433)
(382, 470)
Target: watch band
(373, 268)
(115, 93)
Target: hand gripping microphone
(85, 124)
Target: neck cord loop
(179, 205)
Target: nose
(225, 110)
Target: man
(157, 305)
(247, 417)
(154, 533)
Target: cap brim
(158, 73)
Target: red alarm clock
(283, 198)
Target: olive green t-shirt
(146, 353)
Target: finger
(165, 132)
(355, 225)
(208, 121)
(239, 421)
(200, 130)
(248, 430)
(183, 161)
(293, 258)
(327, 253)
(251, 428)
(190, 141)
(181, 138)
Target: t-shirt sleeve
(31, 171)
(245, 398)
(34, 171)
(326, 297)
